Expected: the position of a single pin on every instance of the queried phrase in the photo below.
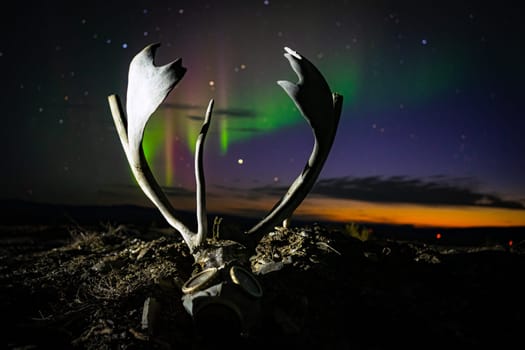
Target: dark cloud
(437, 190)
(130, 191)
(232, 129)
(196, 118)
(247, 193)
(235, 112)
(178, 192)
(245, 129)
(227, 112)
(230, 113)
(400, 189)
(180, 106)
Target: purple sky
(433, 99)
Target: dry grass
(87, 289)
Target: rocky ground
(325, 288)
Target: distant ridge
(20, 212)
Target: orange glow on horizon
(412, 214)
(339, 210)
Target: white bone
(202, 221)
(148, 86)
(322, 111)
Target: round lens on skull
(200, 280)
(246, 281)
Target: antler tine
(322, 110)
(202, 221)
(148, 86)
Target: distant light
(424, 42)
(61, 121)
(266, 2)
(240, 161)
(243, 66)
(181, 11)
(145, 11)
(108, 41)
(211, 83)
(276, 179)
(511, 243)
(125, 46)
(438, 235)
(146, 33)
(66, 98)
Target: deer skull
(148, 86)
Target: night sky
(431, 131)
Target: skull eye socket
(200, 280)
(245, 279)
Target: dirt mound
(120, 288)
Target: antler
(148, 86)
(322, 110)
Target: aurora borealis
(432, 113)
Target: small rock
(142, 253)
(150, 314)
(268, 267)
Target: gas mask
(223, 301)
